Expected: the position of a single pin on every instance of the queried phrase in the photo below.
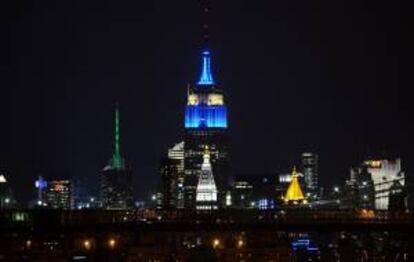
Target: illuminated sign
(60, 186)
(304, 244)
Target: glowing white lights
(206, 193)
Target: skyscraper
(59, 194)
(206, 193)
(116, 179)
(386, 175)
(359, 190)
(168, 191)
(176, 153)
(206, 125)
(310, 173)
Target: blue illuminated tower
(206, 126)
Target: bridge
(147, 220)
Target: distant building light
(228, 199)
(304, 244)
(79, 258)
(243, 185)
(19, 217)
(40, 183)
(263, 204)
(373, 163)
(3, 179)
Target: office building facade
(310, 174)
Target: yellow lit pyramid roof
(294, 192)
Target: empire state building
(206, 125)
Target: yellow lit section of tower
(294, 192)
(215, 100)
(193, 100)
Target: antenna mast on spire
(206, 77)
(205, 5)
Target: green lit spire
(117, 161)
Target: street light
(87, 244)
(111, 243)
(216, 243)
(240, 243)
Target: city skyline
(298, 90)
(204, 130)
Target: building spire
(206, 77)
(294, 192)
(205, 5)
(117, 161)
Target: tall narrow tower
(115, 179)
(206, 126)
(117, 162)
(206, 188)
(310, 172)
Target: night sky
(298, 76)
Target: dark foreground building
(168, 188)
(224, 235)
